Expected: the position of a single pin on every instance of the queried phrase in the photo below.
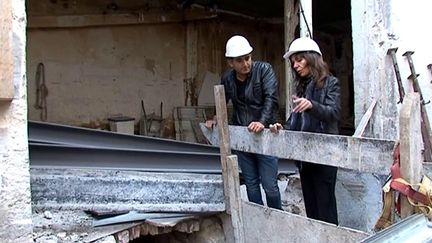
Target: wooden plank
(263, 224)
(365, 120)
(230, 172)
(6, 57)
(223, 136)
(361, 154)
(290, 22)
(235, 198)
(191, 63)
(199, 137)
(74, 21)
(410, 146)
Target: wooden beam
(191, 64)
(230, 171)
(361, 154)
(6, 58)
(74, 21)
(290, 22)
(223, 136)
(235, 198)
(365, 120)
(410, 146)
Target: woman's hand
(301, 104)
(274, 128)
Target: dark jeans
(318, 186)
(262, 169)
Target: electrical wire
(304, 18)
(41, 92)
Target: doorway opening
(333, 32)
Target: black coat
(324, 115)
(261, 95)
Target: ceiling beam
(137, 18)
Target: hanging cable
(304, 18)
(41, 92)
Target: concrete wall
(269, 225)
(93, 73)
(371, 67)
(15, 207)
(377, 26)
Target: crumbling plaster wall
(93, 73)
(377, 26)
(15, 207)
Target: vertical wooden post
(290, 22)
(224, 140)
(6, 58)
(410, 146)
(234, 198)
(191, 63)
(230, 173)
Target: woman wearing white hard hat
(317, 109)
(253, 90)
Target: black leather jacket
(261, 95)
(325, 111)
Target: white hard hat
(302, 44)
(237, 46)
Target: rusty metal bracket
(392, 53)
(413, 76)
(425, 124)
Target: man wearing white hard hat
(317, 109)
(253, 90)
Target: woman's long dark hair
(318, 68)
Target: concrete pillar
(372, 68)
(15, 206)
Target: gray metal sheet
(60, 145)
(42, 132)
(49, 155)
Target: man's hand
(255, 127)
(274, 128)
(301, 104)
